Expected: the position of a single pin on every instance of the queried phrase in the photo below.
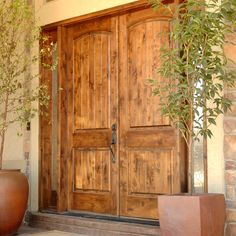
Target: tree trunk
(190, 166)
(3, 133)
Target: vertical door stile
(114, 76)
(122, 112)
(62, 120)
(69, 93)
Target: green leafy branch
(19, 35)
(196, 69)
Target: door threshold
(105, 217)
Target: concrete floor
(27, 231)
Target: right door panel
(150, 149)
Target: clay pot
(14, 190)
(192, 214)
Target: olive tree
(19, 34)
(195, 70)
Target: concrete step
(88, 226)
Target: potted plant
(18, 36)
(194, 73)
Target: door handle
(113, 134)
(113, 141)
(113, 156)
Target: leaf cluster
(196, 69)
(19, 35)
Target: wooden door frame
(62, 142)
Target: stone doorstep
(87, 226)
(52, 233)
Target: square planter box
(192, 214)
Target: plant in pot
(18, 36)
(194, 73)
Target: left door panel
(92, 110)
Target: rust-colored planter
(14, 190)
(192, 215)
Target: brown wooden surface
(46, 199)
(92, 66)
(62, 190)
(104, 65)
(149, 161)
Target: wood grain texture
(46, 200)
(92, 170)
(91, 80)
(144, 45)
(104, 65)
(150, 171)
(153, 138)
(92, 138)
(62, 203)
(150, 148)
(92, 109)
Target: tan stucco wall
(215, 157)
(58, 10)
(13, 149)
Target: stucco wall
(230, 150)
(215, 165)
(58, 10)
(13, 149)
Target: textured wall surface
(57, 10)
(230, 152)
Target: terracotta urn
(14, 190)
(192, 214)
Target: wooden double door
(121, 152)
(115, 152)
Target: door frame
(62, 143)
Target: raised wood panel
(157, 138)
(150, 171)
(91, 53)
(92, 170)
(92, 203)
(142, 207)
(92, 139)
(145, 40)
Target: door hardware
(113, 141)
(113, 157)
(113, 134)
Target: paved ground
(27, 231)
(52, 233)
